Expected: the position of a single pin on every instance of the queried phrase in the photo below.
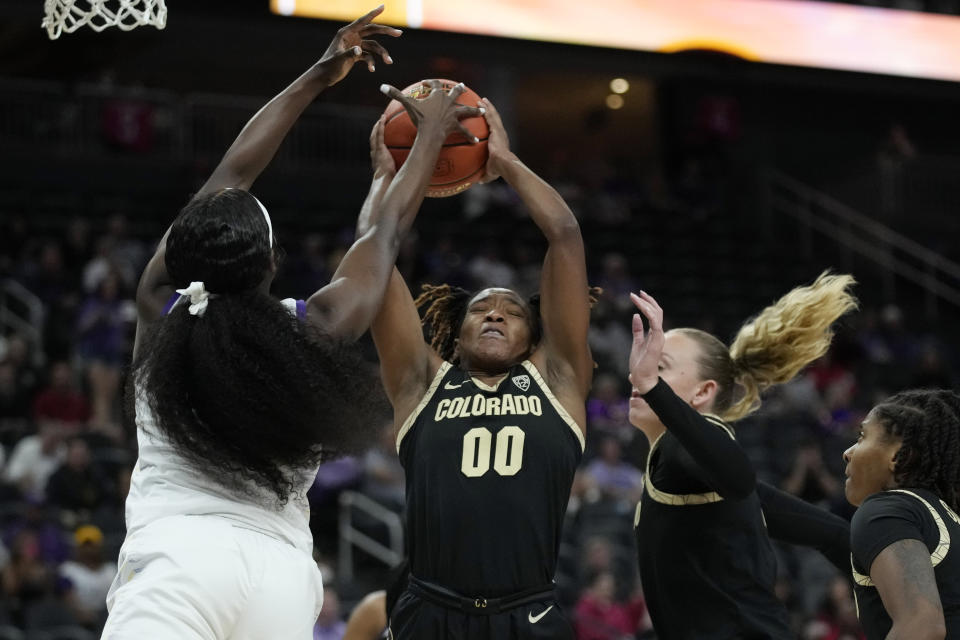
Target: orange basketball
(460, 163)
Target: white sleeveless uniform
(202, 562)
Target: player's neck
(487, 377)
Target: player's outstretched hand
(354, 43)
(498, 144)
(646, 349)
(438, 111)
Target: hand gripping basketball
(450, 108)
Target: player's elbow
(564, 230)
(386, 235)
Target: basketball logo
(444, 168)
(522, 381)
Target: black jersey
(706, 562)
(905, 514)
(489, 471)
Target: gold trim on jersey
(674, 499)
(535, 374)
(940, 551)
(408, 423)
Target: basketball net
(70, 15)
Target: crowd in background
(67, 450)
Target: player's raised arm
(347, 305)
(564, 295)
(259, 140)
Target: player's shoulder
(720, 423)
(904, 504)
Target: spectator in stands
(47, 279)
(308, 270)
(443, 263)
(20, 355)
(14, 404)
(609, 339)
(329, 625)
(598, 616)
(383, 478)
(102, 327)
(809, 478)
(102, 264)
(88, 578)
(77, 485)
(26, 578)
(608, 409)
(616, 281)
(837, 616)
(488, 269)
(932, 372)
(34, 459)
(60, 402)
(616, 480)
(127, 252)
(14, 239)
(77, 248)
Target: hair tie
(199, 298)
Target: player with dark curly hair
(904, 475)
(238, 396)
(489, 431)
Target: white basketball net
(70, 15)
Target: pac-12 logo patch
(522, 381)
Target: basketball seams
(452, 144)
(457, 152)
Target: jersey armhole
(577, 430)
(408, 423)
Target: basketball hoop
(70, 15)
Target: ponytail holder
(199, 298)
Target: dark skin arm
(259, 140)
(347, 306)
(257, 144)
(903, 575)
(563, 353)
(368, 619)
(407, 363)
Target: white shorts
(205, 578)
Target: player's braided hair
(446, 306)
(246, 393)
(928, 423)
(774, 346)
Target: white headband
(266, 216)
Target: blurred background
(716, 170)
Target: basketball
(460, 163)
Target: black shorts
(414, 618)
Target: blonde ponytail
(787, 336)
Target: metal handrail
(351, 537)
(31, 326)
(857, 232)
(881, 231)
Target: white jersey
(165, 484)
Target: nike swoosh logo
(452, 386)
(535, 619)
